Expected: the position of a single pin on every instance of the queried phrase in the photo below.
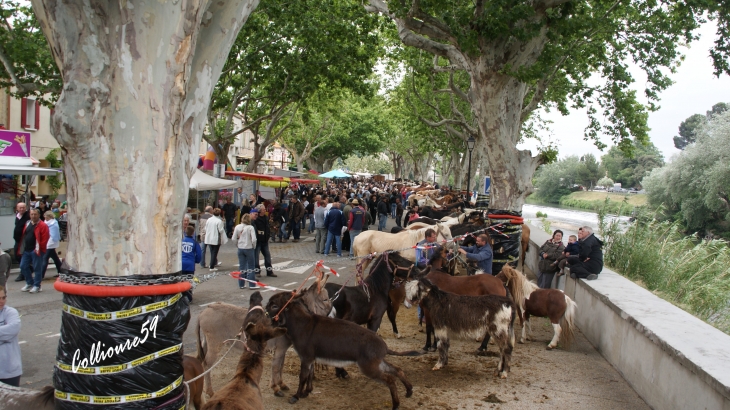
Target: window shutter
(23, 111)
(37, 115)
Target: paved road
(41, 313)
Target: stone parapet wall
(672, 359)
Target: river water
(566, 219)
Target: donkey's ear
(249, 325)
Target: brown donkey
(550, 303)
(243, 391)
(333, 342)
(192, 368)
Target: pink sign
(14, 144)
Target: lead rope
(237, 339)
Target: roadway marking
(206, 304)
(299, 270)
(56, 335)
(21, 342)
(309, 239)
(279, 265)
(41, 334)
(292, 283)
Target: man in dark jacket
(296, 213)
(590, 259)
(481, 253)
(21, 217)
(333, 222)
(356, 221)
(382, 212)
(229, 211)
(260, 222)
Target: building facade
(28, 115)
(241, 152)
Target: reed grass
(692, 273)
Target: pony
(550, 303)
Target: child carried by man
(571, 251)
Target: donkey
(476, 285)
(550, 303)
(467, 316)
(333, 342)
(20, 398)
(221, 321)
(365, 304)
(243, 392)
(192, 368)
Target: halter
(395, 268)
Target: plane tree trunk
(137, 78)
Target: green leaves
(695, 187)
(26, 62)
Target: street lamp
(470, 145)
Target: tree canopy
(695, 187)
(283, 55)
(523, 55)
(26, 62)
(689, 127)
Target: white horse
(374, 241)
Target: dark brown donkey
(476, 285)
(365, 304)
(243, 391)
(467, 316)
(333, 342)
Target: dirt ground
(578, 378)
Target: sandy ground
(578, 378)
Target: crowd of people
(37, 235)
(336, 213)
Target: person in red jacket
(32, 250)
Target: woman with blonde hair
(245, 237)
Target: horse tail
(407, 353)
(202, 350)
(47, 396)
(567, 322)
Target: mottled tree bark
(138, 77)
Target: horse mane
(380, 277)
(436, 255)
(521, 288)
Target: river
(566, 219)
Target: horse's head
(316, 300)
(257, 323)
(439, 256)
(278, 305)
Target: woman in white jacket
(215, 236)
(245, 237)
(53, 242)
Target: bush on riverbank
(690, 273)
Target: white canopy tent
(204, 182)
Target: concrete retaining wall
(672, 359)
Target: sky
(695, 91)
